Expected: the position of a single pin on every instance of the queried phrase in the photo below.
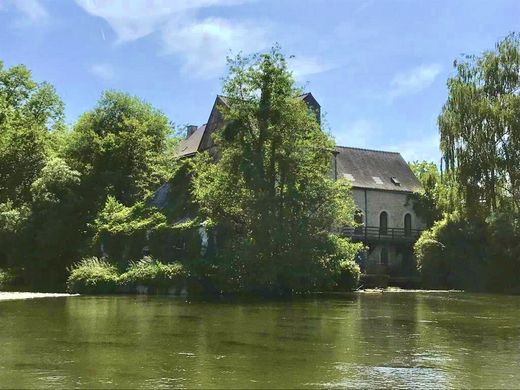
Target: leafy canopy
(480, 128)
(270, 187)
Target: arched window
(383, 223)
(384, 256)
(358, 219)
(408, 225)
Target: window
(395, 181)
(383, 223)
(358, 219)
(384, 256)
(408, 225)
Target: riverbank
(11, 296)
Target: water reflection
(407, 340)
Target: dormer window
(395, 181)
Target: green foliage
(438, 195)
(349, 275)
(6, 278)
(154, 274)
(480, 129)
(28, 112)
(270, 192)
(120, 149)
(92, 276)
(473, 255)
(55, 228)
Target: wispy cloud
(32, 11)
(202, 43)
(102, 71)
(205, 44)
(414, 80)
(306, 66)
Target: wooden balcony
(377, 234)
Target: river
(409, 340)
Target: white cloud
(32, 11)
(202, 43)
(302, 66)
(135, 19)
(205, 44)
(414, 80)
(103, 71)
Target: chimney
(190, 129)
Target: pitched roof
(374, 169)
(190, 145)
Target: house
(382, 188)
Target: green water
(434, 340)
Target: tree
(480, 129)
(437, 196)
(54, 234)
(29, 112)
(120, 149)
(270, 191)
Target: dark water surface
(434, 340)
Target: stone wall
(397, 205)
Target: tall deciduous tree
(270, 190)
(120, 149)
(29, 112)
(480, 128)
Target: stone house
(382, 188)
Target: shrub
(92, 276)
(349, 275)
(154, 274)
(6, 278)
(453, 254)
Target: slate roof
(374, 169)
(190, 145)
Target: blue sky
(378, 68)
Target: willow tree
(270, 191)
(480, 128)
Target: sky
(377, 67)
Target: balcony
(377, 234)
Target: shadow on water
(355, 340)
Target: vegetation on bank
(99, 276)
(85, 192)
(267, 207)
(474, 205)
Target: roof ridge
(367, 150)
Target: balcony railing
(376, 233)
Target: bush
(6, 278)
(92, 276)
(349, 275)
(154, 274)
(470, 254)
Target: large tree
(270, 191)
(480, 128)
(29, 113)
(120, 148)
